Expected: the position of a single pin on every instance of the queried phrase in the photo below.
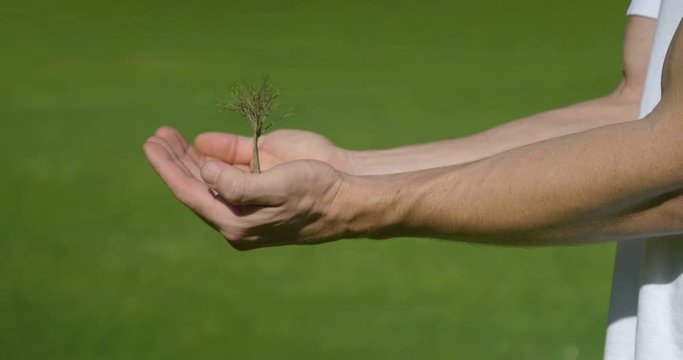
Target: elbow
(673, 213)
(628, 94)
(667, 217)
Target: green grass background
(98, 261)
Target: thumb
(230, 148)
(240, 188)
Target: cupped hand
(274, 148)
(290, 203)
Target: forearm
(603, 183)
(617, 107)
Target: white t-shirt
(648, 8)
(646, 308)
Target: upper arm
(638, 39)
(672, 84)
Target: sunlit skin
(598, 176)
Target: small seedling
(255, 102)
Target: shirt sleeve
(647, 8)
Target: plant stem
(255, 164)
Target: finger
(190, 152)
(192, 164)
(238, 187)
(181, 150)
(195, 156)
(191, 192)
(230, 148)
(170, 152)
(173, 138)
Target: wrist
(381, 162)
(357, 162)
(370, 207)
(383, 206)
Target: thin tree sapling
(255, 102)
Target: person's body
(579, 174)
(645, 318)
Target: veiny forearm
(603, 183)
(618, 107)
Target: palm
(274, 148)
(288, 145)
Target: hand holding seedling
(281, 206)
(291, 203)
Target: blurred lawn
(98, 261)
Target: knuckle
(241, 246)
(233, 189)
(233, 235)
(238, 239)
(228, 235)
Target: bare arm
(586, 186)
(619, 106)
(614, 182)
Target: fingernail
(211, 170)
